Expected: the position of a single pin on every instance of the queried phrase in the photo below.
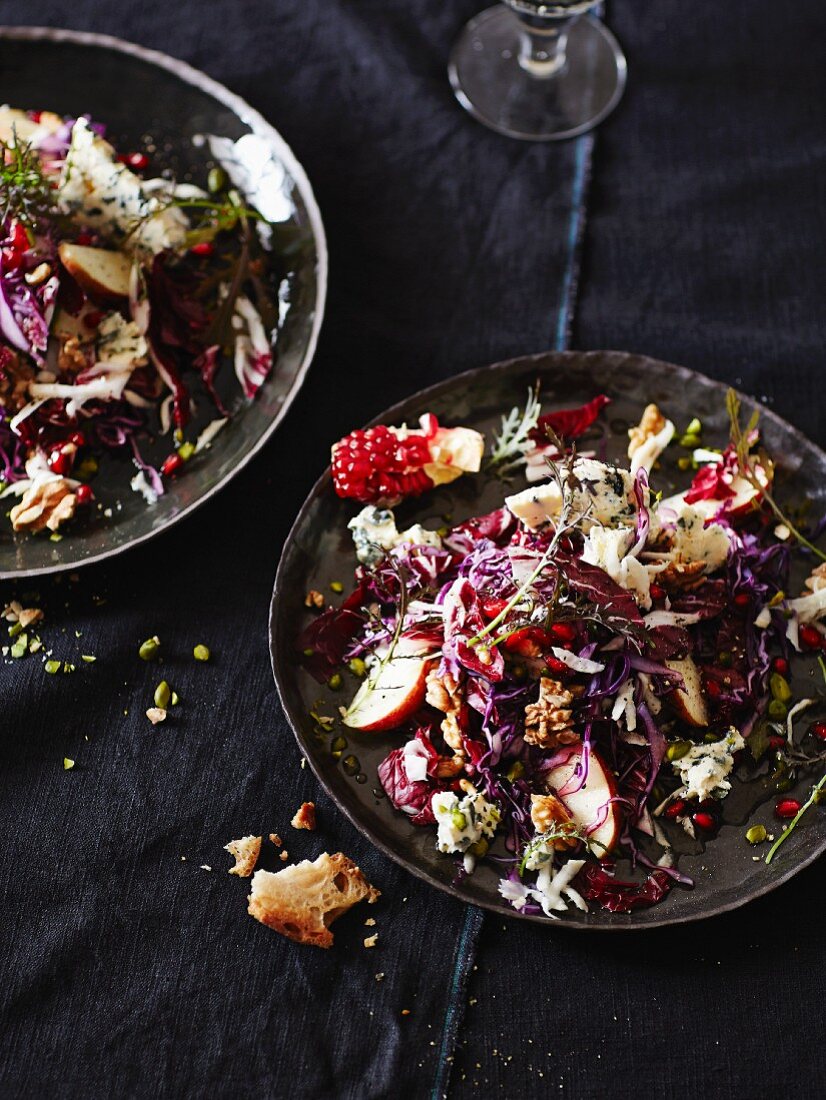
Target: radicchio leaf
(569, 423)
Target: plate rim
(258, 124)
(503, 367)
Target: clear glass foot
(537, 72)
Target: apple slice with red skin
(689, 701)
(591, 803)
(744, 500)
(384, 702)
(101, 272)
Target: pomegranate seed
(557, 666)
(713, 689)
(742, 599)
(819, 730)
(491, 606)
(172, 465)
(19, 238)
(11, 259)
(203, 248)
(675, 808)
(92, 319)
(138, 161)
(781, 665)
(810, 638)
(78, 438)
(60, 462)
(84, 494)
(566, 632)
(84, 238)
(35, 116)
(657, 592)
(787, 807)
(704, 821)
(776, 741)
(375, 465)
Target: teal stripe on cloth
(472, 926)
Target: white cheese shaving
(578, 664)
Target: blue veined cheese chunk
(704, 769)
(605, 496)
(103, 193)
(375, 534)
(462, 822)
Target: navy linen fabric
(129, 971)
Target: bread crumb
(380, 976)
(370, 941)
(276, 839)
(285, 855)
(155, 715)
(205, 867)
(405, 1012)
(302, 901)
(304, 817)
(370, 922)
(246, 851)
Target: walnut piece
(246, 851)
(817, 578)
(651, 424)
(46, 504)
(443, 693)
(546, 812)
(26, 616)
(15, 376)
(304, 817)
(71, 357)
(681, 576)
(314, 599)
(548, 720)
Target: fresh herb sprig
(25, 193)
(742, 440)
(568, 484)
(513, 439)
(810, 801)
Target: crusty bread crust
(304, 816)
(302, 901)
(246, 851)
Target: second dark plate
(319, 551)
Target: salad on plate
(576, 678)
(124, 298)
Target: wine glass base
(490, 83)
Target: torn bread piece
(304, 816)
(246, 851)
(302, 901)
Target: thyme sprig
(25, 192)
(567, 483)
(559, 830)
(742, 441)
(512, 441)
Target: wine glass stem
(542, 47)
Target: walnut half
(546, 812)
(548, 720)
(651, 424)
(443, 693)
(46, 504)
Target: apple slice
(100, 272)
(689, 701)
(396, 693)
(744, 500)
(591, 803)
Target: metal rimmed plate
(146, 98)
(319, 550)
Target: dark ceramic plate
(146, 98)
(319, 550)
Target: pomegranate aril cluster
(376, 465)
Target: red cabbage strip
(657, 746)
(595, 882)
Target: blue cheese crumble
(375, 534)
(704, 769)
(462, 822)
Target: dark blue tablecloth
(127, 970)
